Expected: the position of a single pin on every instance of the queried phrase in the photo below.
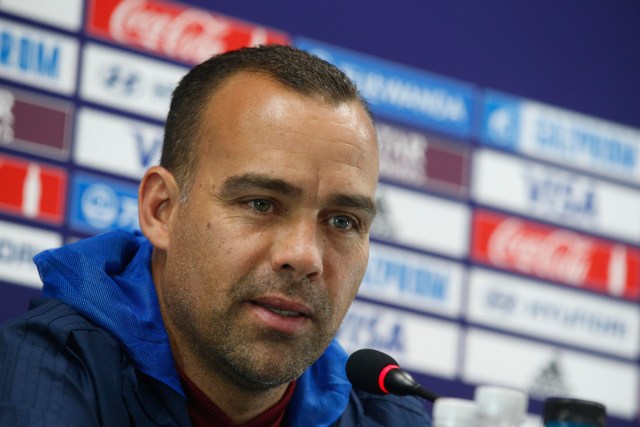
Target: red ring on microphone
(383, 374)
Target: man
(256, 230)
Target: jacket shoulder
(57, 368)
(49, 322)
(48, 366)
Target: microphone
(378, 373)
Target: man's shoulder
(55, 364)
(366, 409)
(49, 359)
(53, 325)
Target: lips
(277, 313)
(285, 313)
(283, 306)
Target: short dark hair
(294, 68)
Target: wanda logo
(171, 29)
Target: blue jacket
(94, 351)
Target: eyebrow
(239, 183)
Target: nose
(298, 250)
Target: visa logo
(115, 144)
(30, 56)
(562, 197)
(362, 331)
(148, 146)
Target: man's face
(269, 249)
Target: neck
(238, 403)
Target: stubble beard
(250, 357)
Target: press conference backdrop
(507, 248)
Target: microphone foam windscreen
(364, 367)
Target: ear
(158, 199)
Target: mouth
(281, 312)
(283, 315)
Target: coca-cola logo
(192, 35)
(187, 34)
(557, 255)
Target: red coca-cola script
(174, 30)
(556, 254)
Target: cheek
(194, 254)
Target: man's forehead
(246, 97)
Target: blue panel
(99, 204)
(500, 125)
(401, 93)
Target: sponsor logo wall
(37, 57)
(32, 190)
(18, 244)
(507, 245)
(546, 370)
(574, 200)
(556, 254)
(403, 334)
(174, 30)
(116, 144)
(562, 315)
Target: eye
(261, 205)
(342, 222)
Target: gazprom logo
(391, 274)
(29, 55)
(33, 56)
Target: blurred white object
(453, 412)
(500, 406)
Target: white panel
(547, 371)
(130, 82)
(422, 221)
(18, 245)
(412, 280)
(65, 14)
(552, 194)
(418, 343)
(566, 316)
(37, 57)
(116, 144)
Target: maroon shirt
(204, 413)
